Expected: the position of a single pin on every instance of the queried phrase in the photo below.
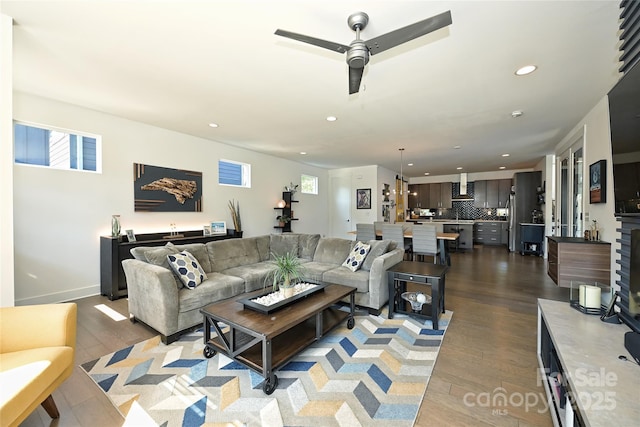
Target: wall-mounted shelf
(286, 211)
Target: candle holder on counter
(590, 298)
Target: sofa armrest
(153, 295)
(378, 282)
(36, 326)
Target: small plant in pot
(286, 272)
(282, 220)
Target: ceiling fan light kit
(359, 51)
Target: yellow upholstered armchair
(37, 345)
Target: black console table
(420, 274)
(114, 250)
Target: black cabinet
(492, 193)
(114, 250)
(286, 212)
(531, 239)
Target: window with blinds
(234, 173)
(56, 148)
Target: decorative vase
(115, 225)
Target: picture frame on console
(598, 182)
(218, 227)
(131, 237)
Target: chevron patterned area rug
(374, 374)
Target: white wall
(59, 215)
(6, 163)
(597, 146)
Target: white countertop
(588, 350)
(531, 223)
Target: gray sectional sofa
(234, 266)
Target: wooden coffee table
(265, 342)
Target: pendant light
(401, 177)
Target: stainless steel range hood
(463, 196)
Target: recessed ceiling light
(505, 155)
(303, 152)
(331, 118)
(502, 167)
(459, 168)
(517, 113)
(527, 69)
(213, 125)
(426, 173)
(409, 164)
(456, 147)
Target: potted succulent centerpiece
(286, 272)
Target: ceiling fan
(359, 50)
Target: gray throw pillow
(378, 247)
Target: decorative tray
(252, 304)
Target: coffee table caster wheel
(270, 384)
(351, 322)
(208, 352)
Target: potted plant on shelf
(286, 272)
(234, 208)
(282, 220)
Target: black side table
(421, 273)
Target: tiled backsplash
(465, 209)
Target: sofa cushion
(378, 247)
(254, 275)
(187, 268)
(356, 256)
(159, 253)
(313, 271)
(224, 254)
(307, 245)
(216, 288)
(343, 276)
(332, 250)
(199, 251)
(282, 244)
(263, 242)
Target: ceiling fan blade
(410, 32)
(355, 76)
(336, 47)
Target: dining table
(443, 238)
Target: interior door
(340, 219)
(569, 222)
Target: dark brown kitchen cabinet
(492, 193)
(440, 195)
(480, 194)
(504, 190)
(436, 195)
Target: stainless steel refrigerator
(522, 201)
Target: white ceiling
(183, 64)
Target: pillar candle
(591, 296)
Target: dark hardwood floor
(488, 350)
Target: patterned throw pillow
(187, 268)
(356, 257)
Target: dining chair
(425, 242)
(377, 225)
(365, 232)
(395, 232)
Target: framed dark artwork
(363, 198)
(158, 189)
(598, 182)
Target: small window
(309, 184)
(234, 173)
(56, 148)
